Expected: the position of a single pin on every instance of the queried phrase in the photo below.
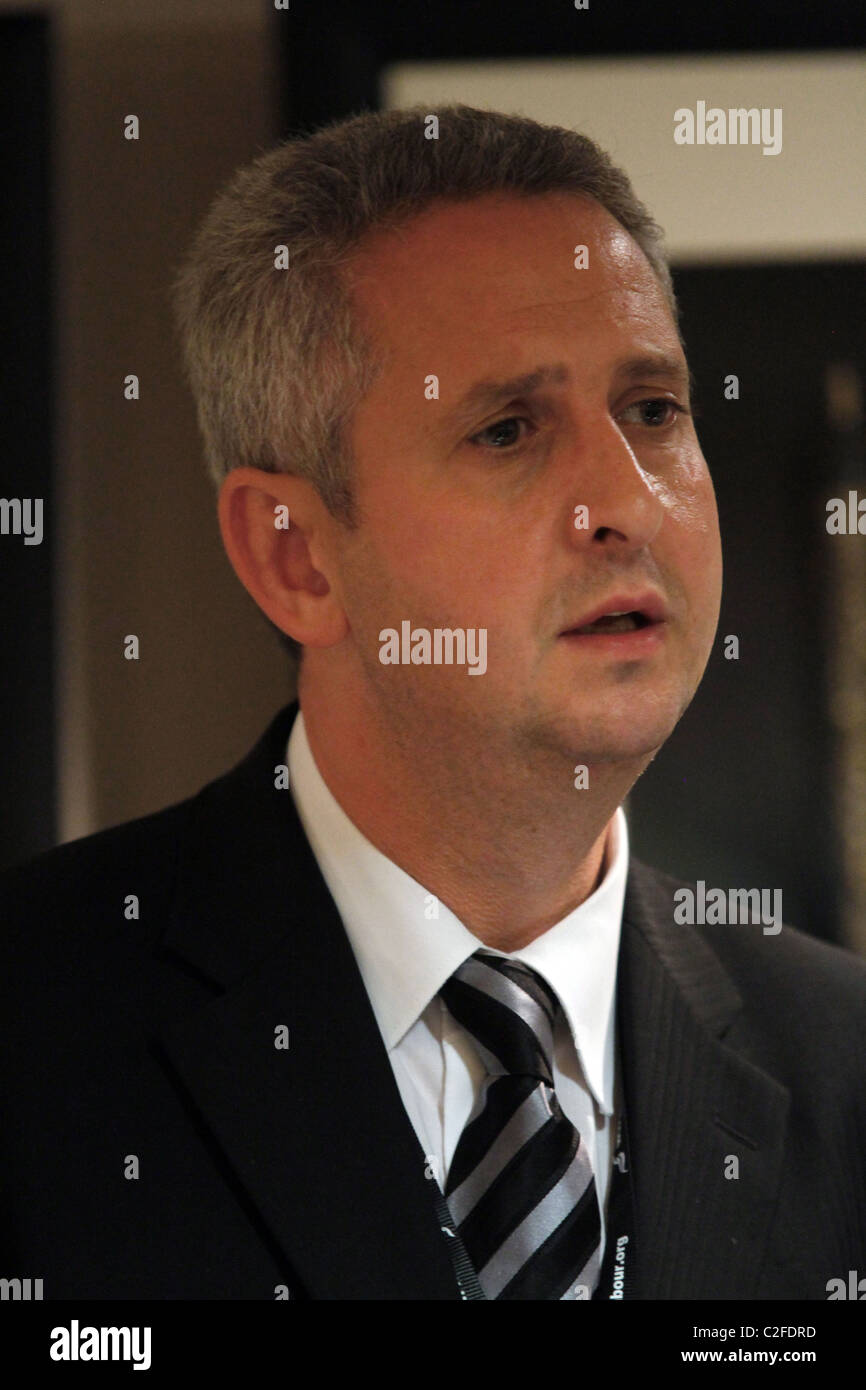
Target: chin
(603, 740)
(637, 751)
(620, 732)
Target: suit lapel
(316, 1135)
(693, 1104)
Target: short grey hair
(276, 359)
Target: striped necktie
(520, 1187)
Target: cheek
(691, 502)
(686, 489)
(695, 545)
(706, 533)
(410, 566)
(439, 556)
(700, 566)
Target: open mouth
(613, 622)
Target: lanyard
(467, 1279)
(617, 1276)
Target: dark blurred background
(762, 784)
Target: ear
(275, 529)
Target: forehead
(503, 265)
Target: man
(410, 1022)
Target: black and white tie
(520, 1187)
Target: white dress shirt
(407, 944)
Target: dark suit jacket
(153, 1037)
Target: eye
(502, 434)
(658, 405)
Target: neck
(509, 849)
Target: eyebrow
(486, 395)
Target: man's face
(468, 510)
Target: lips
(637, 610)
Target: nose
(614, 502)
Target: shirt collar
(407, 943)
